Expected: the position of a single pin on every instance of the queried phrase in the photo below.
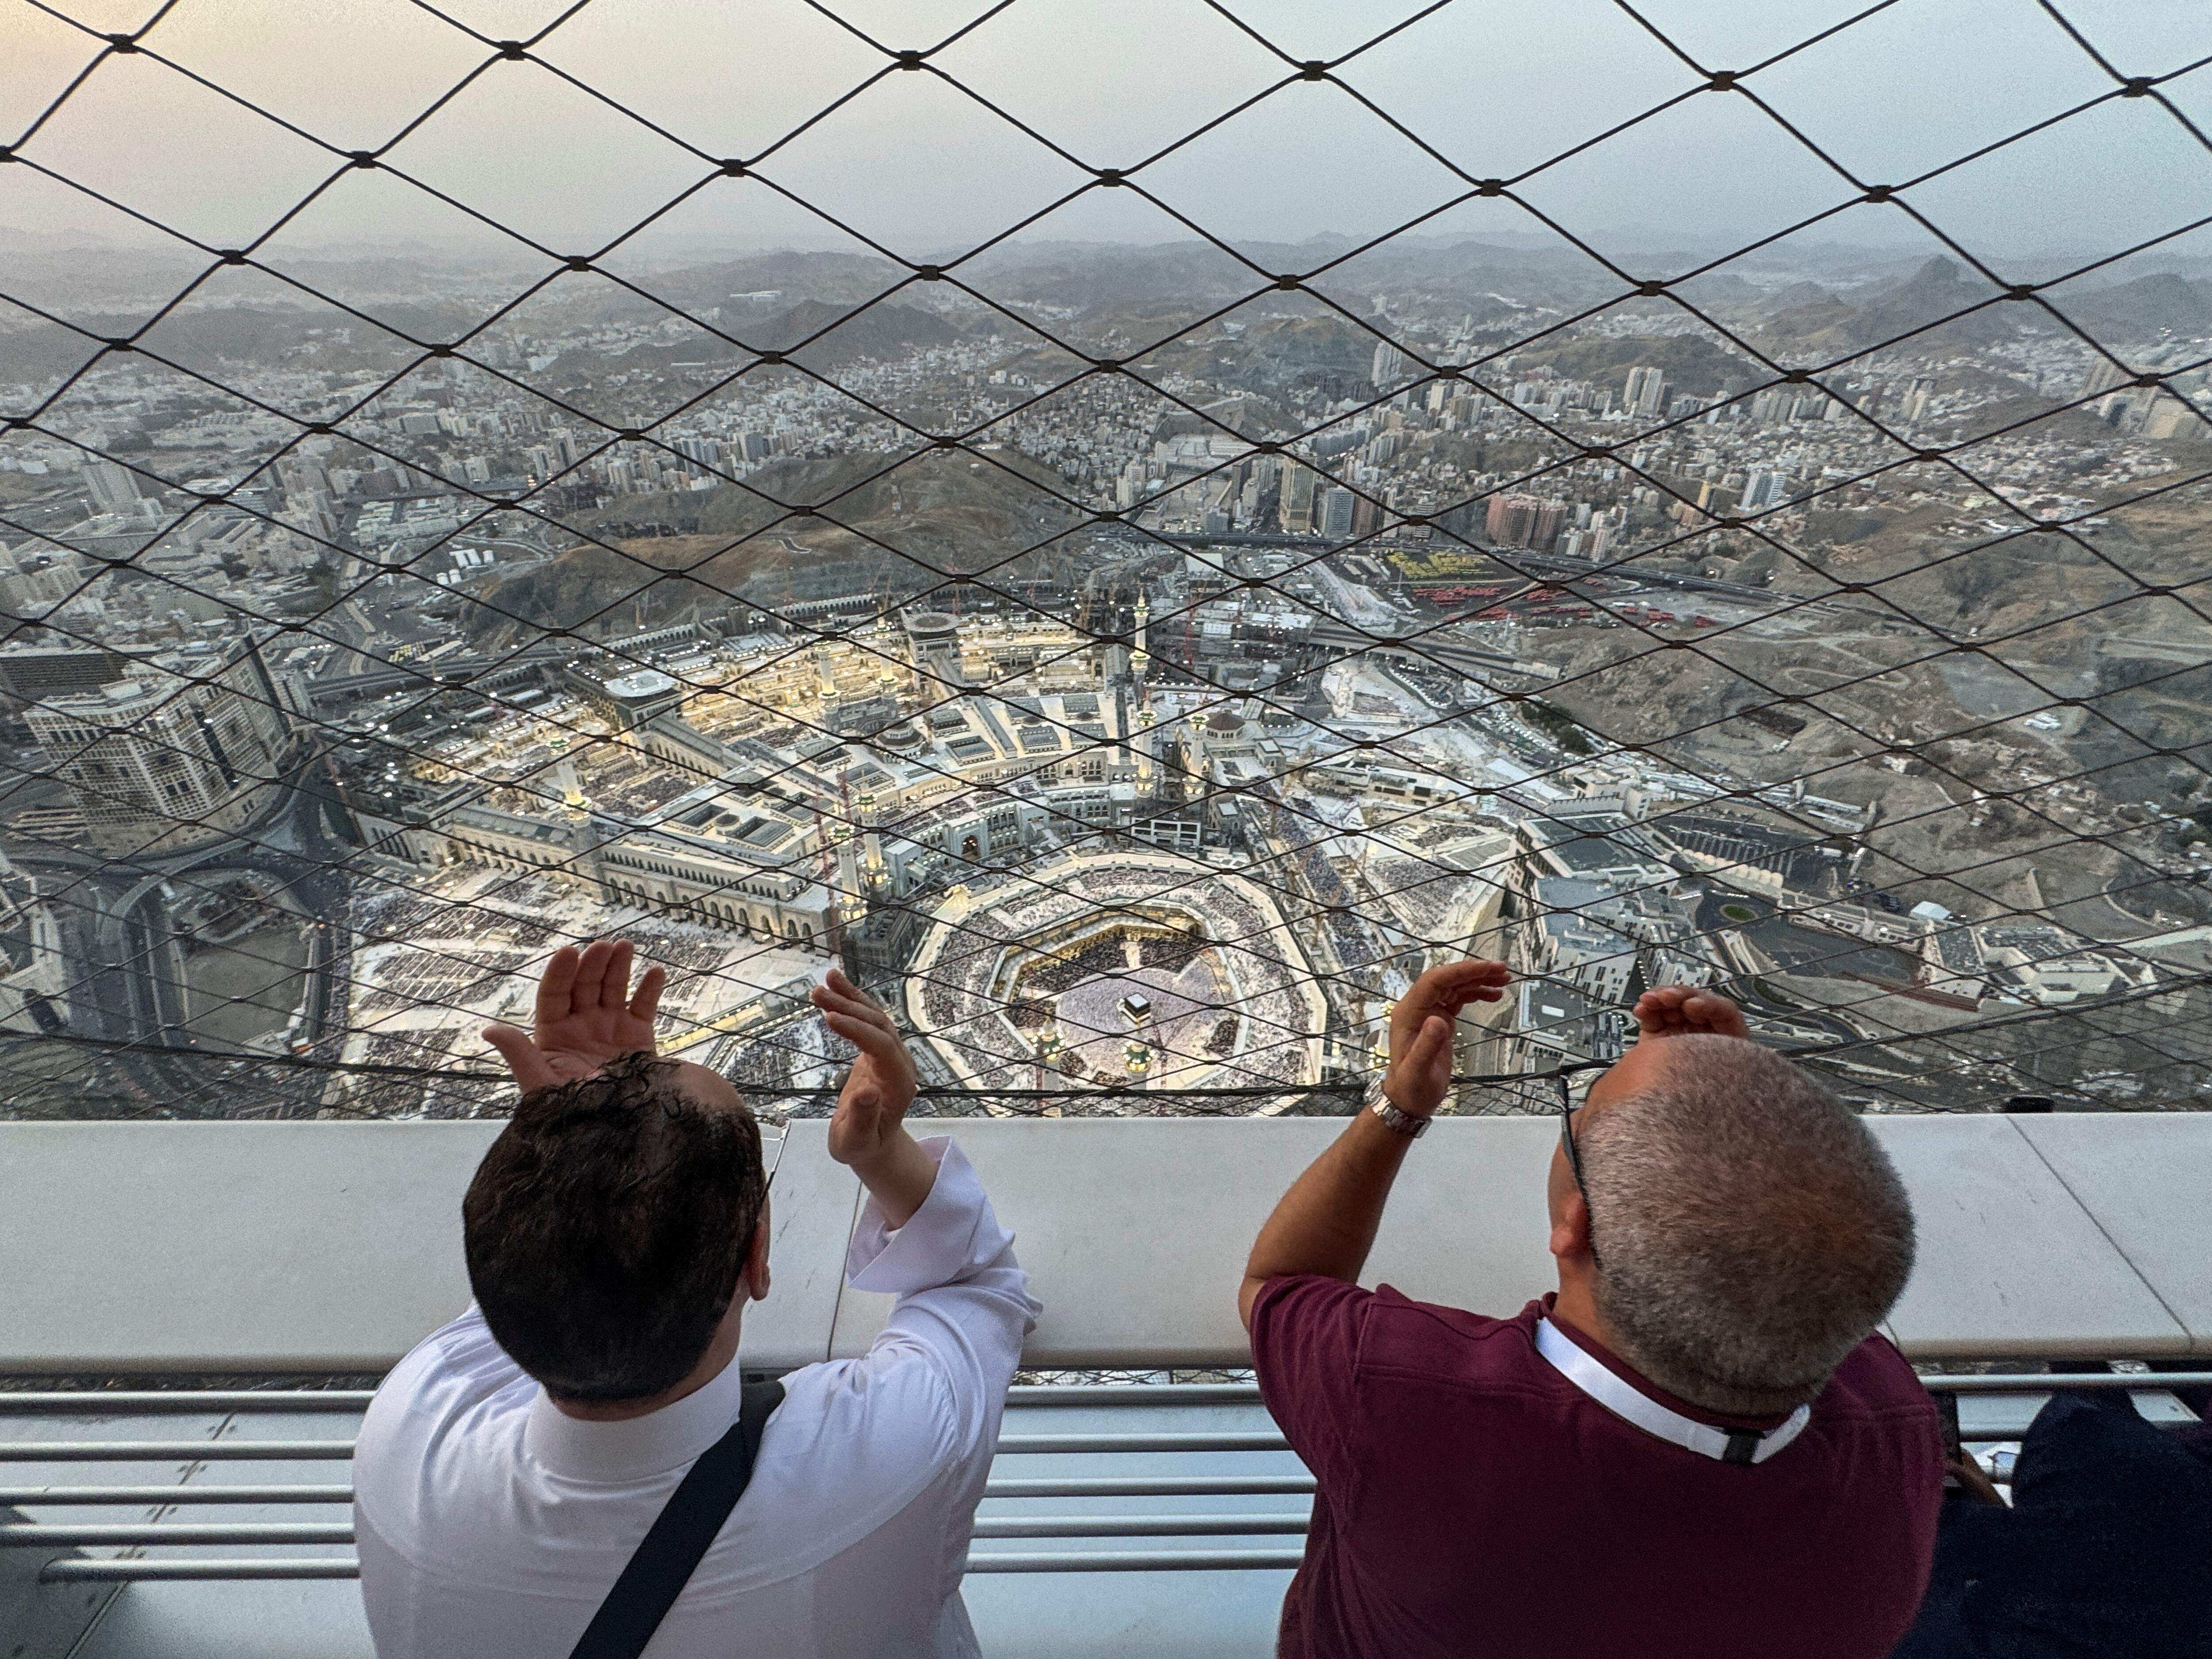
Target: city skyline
(1709, 168)
(1143, 660)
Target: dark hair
(606, 1226)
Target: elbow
(1247, 1294)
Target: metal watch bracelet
(1404, 1123)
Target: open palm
(871, 1107)
(1421, 1071)
(584, 1017)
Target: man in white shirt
(510, 1466)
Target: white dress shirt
(490, 1524)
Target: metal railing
(2025, 1387)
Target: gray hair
(1750, 1231)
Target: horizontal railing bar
(1131, 1526)
(1015, 1445)
(25, 1535)
(39, 1535)
(76, 1572)
(174, 1451)
(118, 1402)
(166, 1451)
(187, 1401)
(1139, 1561)
(73, 1570)
(32, 1497)
(1165, 1486)
(1027, 1445)
(144, 1402)
(1133, 1394)
(2044, 1383)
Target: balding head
(1749, 1230)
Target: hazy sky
(1497, 85)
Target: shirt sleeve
(1306, 1331)
(964, 1303)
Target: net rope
(1238, 841)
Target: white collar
(1631, 1404)
(635, 1447)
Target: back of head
(606, 1227)
(1749, 1229)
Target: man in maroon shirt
(1696, 1447)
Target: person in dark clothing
(2106, 1550)
(1700, 1447)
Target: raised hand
(868, 1129)
(1681, 1010)
(584, 1018)
(1421, 1030)
(871, 1107)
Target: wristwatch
(1404, 1123)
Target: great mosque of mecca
(1116, 969)
(996, 781)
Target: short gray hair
(1750, 1231)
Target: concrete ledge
(335, 1247)
(295, 1247)
(1136, 1231)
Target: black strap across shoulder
(679, 1536)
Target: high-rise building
(1391, 366)
(1297, 506)
(1774, 405)
(1506, 521)
(112, 489)
(1646, 392)
(1336, 513)
(1517, 520)
(2169, 416)
(162, 761)
(1763, 487)
(2103, 376)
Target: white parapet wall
(195, 1248)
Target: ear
(754, 1271)
(1571, 1228)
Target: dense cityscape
(1137, 693)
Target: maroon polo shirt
(1473, 1501)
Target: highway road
(1551, 566)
